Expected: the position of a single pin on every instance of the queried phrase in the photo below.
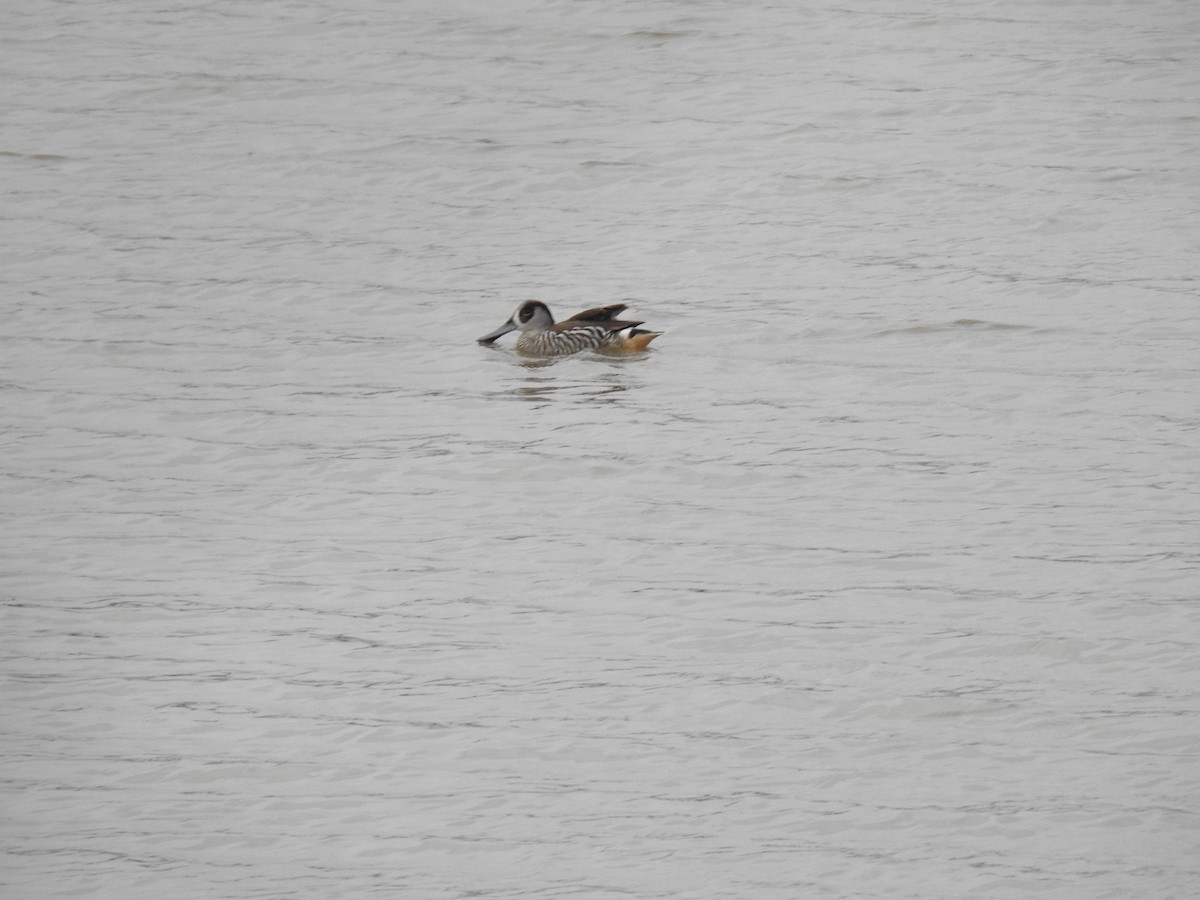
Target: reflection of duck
(592, 329)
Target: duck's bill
(499, 332)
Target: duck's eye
(526, 313)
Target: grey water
(878, 577)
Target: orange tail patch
(638, 340)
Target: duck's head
(532, 315)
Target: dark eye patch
(526, 313)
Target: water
(878, 578)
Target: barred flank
(561, 343)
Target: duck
(593, 329)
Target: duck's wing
(601, 324)
(598, 314)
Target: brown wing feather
(598, 314)
(614, 325)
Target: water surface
(877, 578)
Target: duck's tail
(638, 339)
